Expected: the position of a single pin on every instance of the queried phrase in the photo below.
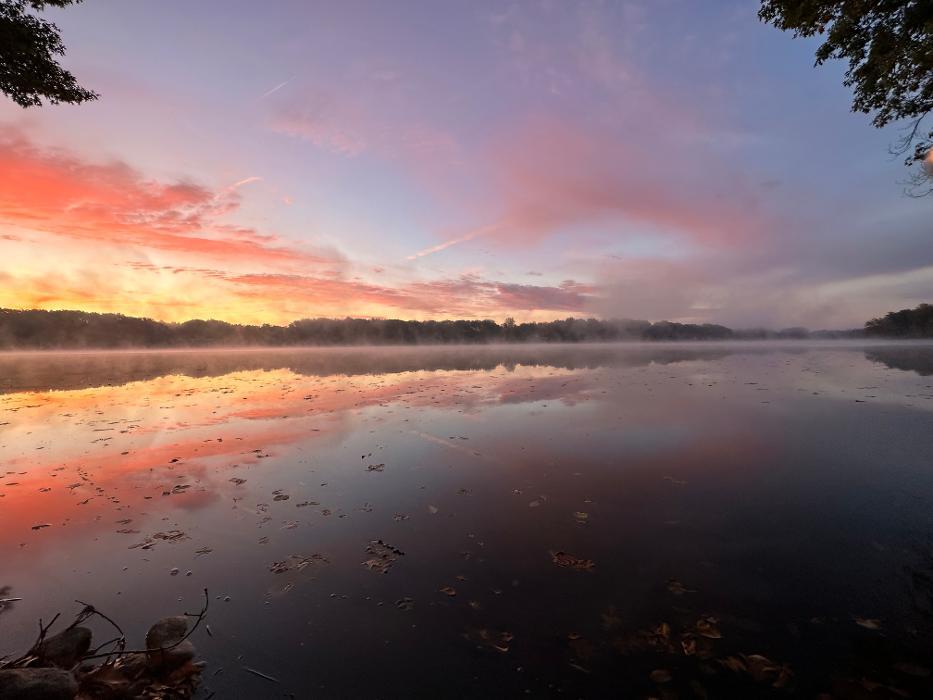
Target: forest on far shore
(46, 330)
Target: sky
(264, 162)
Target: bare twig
(200, 616)
(30, 655)
(260, 674)
(90, 610)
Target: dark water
(604, 521)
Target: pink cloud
(57, 193)
(552, 176)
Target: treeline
(79, 329)
(906, 323)
(37, 329)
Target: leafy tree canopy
(29, 50)
(906, 323)
(889, 48)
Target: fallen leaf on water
(661, 675)
(868, 623)
(733, 663)
(708, 627)
(385, 555)
(449, 591)
(763, 669)
(567, 561)
(677, 588)
(500, 641)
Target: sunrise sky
(262, 162)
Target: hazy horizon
(497, 319)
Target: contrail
(276, 88)
(244, 181)
(482, 231)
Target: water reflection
(734, 500)
(80, 370)
(916, 358)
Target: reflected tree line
(45, 372)
(38, 329)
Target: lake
(689, 520)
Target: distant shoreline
(859, 342)
(35, 329)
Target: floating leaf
(677, 588)
(708, 627)
(385, 555)
(868, 623)
(567, 561)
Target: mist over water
(571, 520)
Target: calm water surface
(601, 521)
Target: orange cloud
(57, 193)
(463, 296)
(177, 293)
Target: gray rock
(167, 632)
(37, 684)
(66, 648)
(169, 659)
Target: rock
(37, 684)
(66, 648)
(170, 659)
(167, 632)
